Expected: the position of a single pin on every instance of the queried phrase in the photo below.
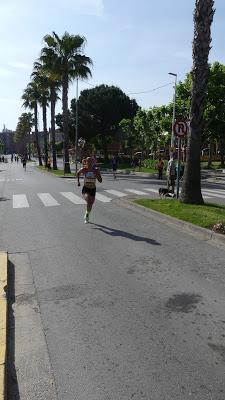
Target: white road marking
(20, 201)
(219, 191)
(220, 196)
(73, 197)
(135, 191)
(116, 192)
(19, 179)
(152, 190)
(102, 198)
(206, 197)
(47, 199)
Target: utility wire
(146, 91)
(152, 90)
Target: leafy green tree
(100, 111)
(203, 17)
(31, 97)
(70, 63)
(23, 129)
(129, 133)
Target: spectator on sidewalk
(160, 168)
(171, 173)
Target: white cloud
(19, 65)
(6, 72)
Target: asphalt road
(124, 308)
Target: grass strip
(57, 172)
(205, 215)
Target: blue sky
(133, 44)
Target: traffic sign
(180, 128)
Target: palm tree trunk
(203, 16)
(65, 123)
(53, 102)
(44, 110)
(36, 134)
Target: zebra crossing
(10, 179)
(105, 196)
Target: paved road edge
(3, 323)
(202, 233)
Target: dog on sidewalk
(164, 192)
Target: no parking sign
(180, 128)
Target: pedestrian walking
(49, 164)
(89, 188)
(160, 168)
(114, 166)
(24, 161)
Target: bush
(152, 164)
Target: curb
(187, 227)
(3, 323)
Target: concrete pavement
(123, 308)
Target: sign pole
(178, 167)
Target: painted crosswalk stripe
(220, 196)
(20, 201)
(73, 197)
(219, 191)
(116, 192)
(102, 198)
(152, 190)
(47, 200)
(135, 191)
(206, 197)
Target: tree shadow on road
(119, 233)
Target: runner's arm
(78, 175)
(98, 175)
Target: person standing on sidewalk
(171, 174)
(89, 189)
(160, 168)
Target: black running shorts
(89, 191)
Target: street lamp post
(174, 108)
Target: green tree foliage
(23, 129)
(100, 111)
(31, 97)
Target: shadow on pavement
(119, 233)
(4, 199)
(12, 384)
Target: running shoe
(86, 218)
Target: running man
(24, 161)
(89, 188)
(114, 166)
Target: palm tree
(43, 86)
(31, 97)
(203, 17)
(70, 63)
(45, 67)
